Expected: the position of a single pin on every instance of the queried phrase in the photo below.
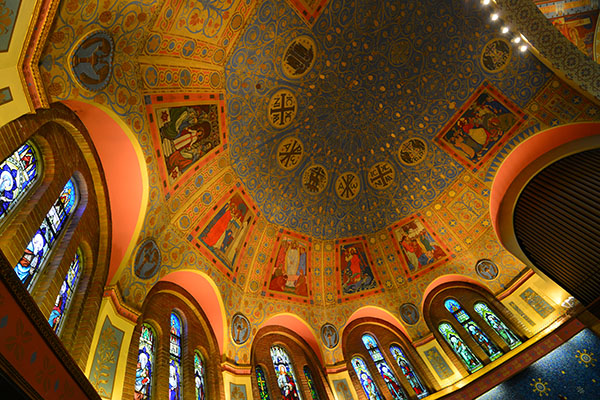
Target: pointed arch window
(474, 330)
(496, 324)
(199, 376)
(384, 369)
(145, 364)
(366, 380)
(311, 384)
(408, 371)
(63, 300)
(175, 358)
(40, 245)
(459, 347)
(261, 380)
(17, 174)
(286, 377)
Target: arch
(374, 312)
(445, 280)
(299, 326)
(526, 161)
(126, 176)
(208, 296)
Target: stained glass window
(366, 380)
(63, 300)
(388, 376)
(175, 359)
(199, 377)
(408, 371)
(17, 173)
(286, 378)
(459, 347)
(311, 383)
(496, 324)
(261, 380)
(474, 330)
(38, 248)
(143, 373)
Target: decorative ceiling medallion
(314, 179)
(496, 55)
(299, 57)
(347, 186)
(289, 153)
(147, 259)
(240, 328)
(409, 313)
(412, 151)
(329, 336)
(400, 51)
(92, 62)
(381, 175)
(282, 108)
(486, 269)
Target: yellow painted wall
(341, 376)
(229, 378)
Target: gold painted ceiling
(313, 157)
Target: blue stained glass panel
(496, 324)
(286, 378)
(483, 340)
(366, 380)
(17, 173)
(199, 377)
(41, 243)
(174, 380)
(408, 371)
(143, 372)
(459, 347)
(64, 296)
(175, 361)
(384, 369)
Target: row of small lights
(518, 40)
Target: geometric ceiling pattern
(332, 127)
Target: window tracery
(459, 347)
(496, 324)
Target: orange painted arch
(299, 326)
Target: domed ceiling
(345, 127)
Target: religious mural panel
(9, 10)
(221, 235)
(482, 125)
(418, 246)
(289, 277)
(342, 389)
(188, 131)
(356, 272)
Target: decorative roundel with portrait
(409, 313)
(240, 328)
(486, 269)
(147, 259)
(329, 336)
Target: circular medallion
(282, 109)
(412, 151)
(496, 55)
(486, 269)
(299, 57)
(314, 179)
(381, 175)
(347, 186)
(399, 52)
(92, 61)
(329, 336)
(409, 313)
(240, 328)
(289, 153)
(147, 259)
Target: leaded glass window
(474, 330)
(39, 247)
(261, 380)
(384, 369)
(199, 377)
(459, 347)
(17, 173)
(145, 363)
(408, 371)
(311, 385)
(366, 380)
(63, 300)
(286, 378)
(496, 324)
(175, 358)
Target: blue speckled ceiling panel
(317, 116)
